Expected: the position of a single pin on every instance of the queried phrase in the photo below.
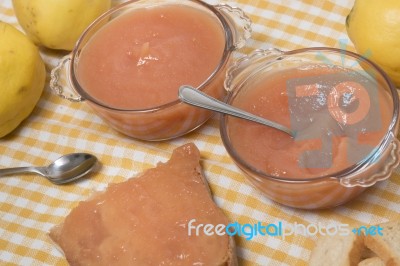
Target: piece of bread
(387, 246)
(337, 250)
(373, 261)
(146, 220)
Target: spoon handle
(19, 170)
(197, 98)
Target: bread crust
(387, 245)
(363, 250)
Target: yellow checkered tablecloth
(30, 205)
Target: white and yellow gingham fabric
(31, 205)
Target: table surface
(30, 205)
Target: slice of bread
(373, 261)
(387, 246)
(337, 250)
(145, 220)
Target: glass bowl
(163, 119)
(343, 108)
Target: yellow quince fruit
(22, 77)
(374, 28)
(57, 24)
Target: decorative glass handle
(239, 23)
(58, 85)
(237, 73)
(392, 160)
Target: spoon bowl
(65, 169)
(190, 95)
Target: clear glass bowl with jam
(129, 64)
(343, 108)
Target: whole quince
(374, 28)
(57, 24)
(22, 77)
